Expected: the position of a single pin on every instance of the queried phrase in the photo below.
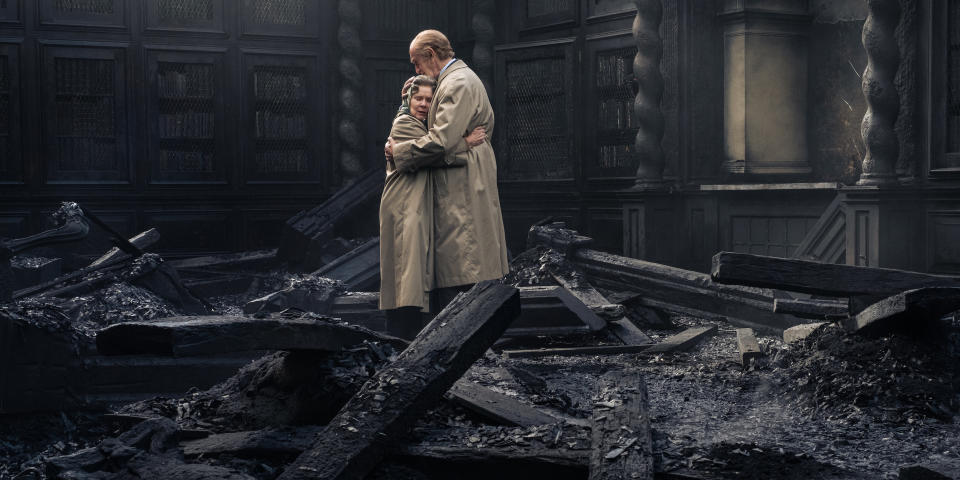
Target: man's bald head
(429, 52)
(428, 40)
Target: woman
(406, 219)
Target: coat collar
(457, 65)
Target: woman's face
(420, 102)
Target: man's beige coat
(470, 245)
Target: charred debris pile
(581, 364)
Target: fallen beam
(257, 258)
(388, 405)
(910, 310)
(809, 308)
(681, 341)
(358, 269)
(819, 278)
(748, 346)
(670, 288)
(622, 445)
(269, 442)
(142, 241)
(496, 406)
(186, 336)
(620, 326)
(552, 310)
(305, 234)
(798, 333)
(574, 351)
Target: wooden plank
(269, 442)
(622, 445)
(142, 241)
(305, 233)
(233, 260)
(810, 308)
(186, 336)
(620, 326)
(497, 406)
(819, 278)
(389, 404)
(748, 346)
(552, 310)
(358, 269)
(683, 291)
(573, 351)
(682, 340)
(799, 332)
(588, 296)
(910, 310)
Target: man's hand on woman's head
(406, 86)
(476, 137)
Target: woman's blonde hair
(435, 40)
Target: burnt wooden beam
(810, 308)
(388, 405)
(819, 278)
(682, 341)
(186, 336)
(619, 325)
(622, 445)
(496, 406)
(305, 233)
(910, 310)
(747, 346)
(800, 332)
(574, 351)
(358, 269)
(664, 287)
(270, 442)
(257, 258)
(142, 241)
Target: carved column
(349, 96)
(646, 106)
(485, 36)
(883, 102)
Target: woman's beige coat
(406, 227)
(468, 226)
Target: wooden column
(646, 106)
(883, 101)
(349, 96)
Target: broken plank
(573, 351)
(670, 288)
(256, 258)
(800, 332)
(552, 310)
(810, 308)
(910, 310)
(305, 233)
(497, 406)
(186, 336)
(622, 445)
(254, 443)
(620, 326)
(358, 269)
(748, 346)
(819, 278)
(588, 296)
(389, 404)
(142, 241)
(682, 340)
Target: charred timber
(913, 310)
(388, 405)
(819, 278)
(185, 336)
(622, 445)
(665, 287)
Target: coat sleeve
(450, 123)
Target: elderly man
(468, 227)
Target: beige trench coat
(406, 227)
(468, 226)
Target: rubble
(592, 379)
